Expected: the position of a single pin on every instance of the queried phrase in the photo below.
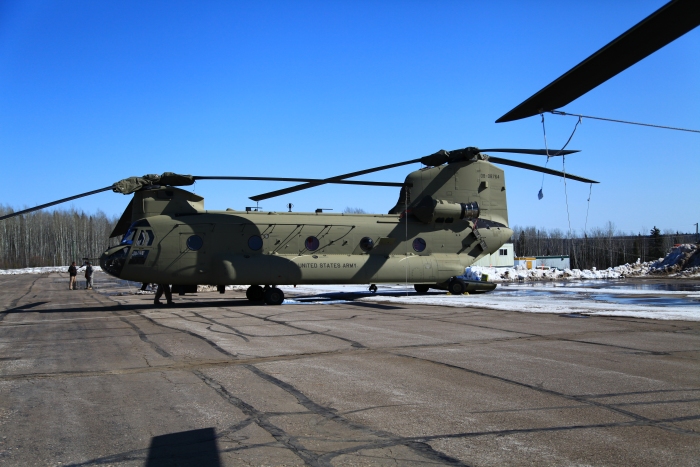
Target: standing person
(163, 288)
(72, 271)
(88, 276)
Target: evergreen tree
(657, 243)
(635, 250)
(520, 246)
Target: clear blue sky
(92, 92)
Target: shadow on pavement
(194, 447)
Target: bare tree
(52, 238)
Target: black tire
(373, 288)
(457, 287)
(255, 293)
(274, 296)
(421, 288)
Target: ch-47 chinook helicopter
(448, 215)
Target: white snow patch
(552, 304)
(45, 270)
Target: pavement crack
(389, 439)
(610, 407)
(352, 343)
(13, 303)
(142, 335)
(193, 334)
(261, 419)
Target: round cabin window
(366, 244)
(311, 243)
(195, 242)
(419, 244)
(255, 242)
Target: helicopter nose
(113, 260)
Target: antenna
(290, 206)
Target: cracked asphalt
(101, 378)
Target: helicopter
(449, 214)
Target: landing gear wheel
(274, 296)
(373, 288)
(421, 288)
(456, 286)
(255, 293)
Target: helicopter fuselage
(446, 218)
(234, 247)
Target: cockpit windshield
(128, 237)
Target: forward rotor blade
(534, 152)
(307, 180)
(335, 179)
(53, 203)
(665, 25)
(537, 168)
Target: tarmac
(100, 377)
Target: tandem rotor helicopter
(449, 213)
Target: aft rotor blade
(665, 25)
(53, 203)
(335, 179)
(534, 152)
(537, 168)
(307, 180)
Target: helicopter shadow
(148, 306)
(349, 298)
(194, 447)
(24, 307)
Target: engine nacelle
(430, 209)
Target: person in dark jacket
(72, 272)
(163, 288)
(88, 276)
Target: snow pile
(214, 288)
(684, 258)
(682, 261)
(521, 273)
(45, 270)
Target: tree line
(56, 238)
(600, 247)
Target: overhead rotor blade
(307, 180)
(437, 158)
(53, 203)
(665, 25)
(537, 168)
(335, 179)
(534, 152)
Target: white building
(538, 262)
(559, 262)
(503, 258)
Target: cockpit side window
(145, 238)
(128, 237)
